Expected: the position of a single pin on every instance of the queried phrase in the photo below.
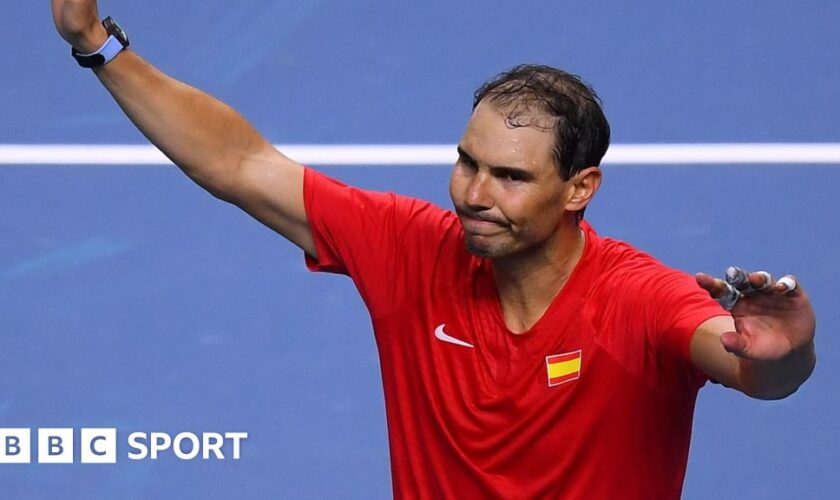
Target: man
(523, 356)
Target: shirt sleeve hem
(323, 263)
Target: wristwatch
(116, 43)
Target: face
(505, 186)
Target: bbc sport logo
(99, 445)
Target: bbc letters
(99, 445)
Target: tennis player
(522, 354)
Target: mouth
(480, 225)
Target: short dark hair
(581, 131)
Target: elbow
(220, 181)
(221, 192)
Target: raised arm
(208, 140)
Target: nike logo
(441, 335)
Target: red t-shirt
(595, 401)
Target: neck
(527, 283)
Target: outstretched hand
(77, 21)
(772, 318)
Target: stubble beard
(488, 251)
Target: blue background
(131, 299)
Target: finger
(734, 343)
(786, 284)
(714, 286)
(726, 295)
(738, 278)
(730, 298)
(761, 281)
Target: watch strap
(103, 55)
(117, 41)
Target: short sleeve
(373, 237)
(651, 312)
(677, 307)
(348, 225)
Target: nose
(478, 196)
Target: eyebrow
(463, 154)
(502, 170)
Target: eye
(466, 161)
(511, 175)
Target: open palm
(771, 320)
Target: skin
(208, 140)
(766, 348)
(509, 196)
(517, 210)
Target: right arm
(208, 140)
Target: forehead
(499, 137)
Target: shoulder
(323, 193)
(634, 280)
(361, 232)
(621, 264)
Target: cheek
(459, 183)
(536, 220)
(453, 186)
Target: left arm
(766, 349)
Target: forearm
(206, 138)
(770, 371)
(776, 379)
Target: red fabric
(482, 421)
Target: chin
(487, 251)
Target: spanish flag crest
(563, 368)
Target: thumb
(735, 343)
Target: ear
(583, 187)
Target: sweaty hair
(540, 96)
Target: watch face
(121, 34)
(114, 29)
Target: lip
(479, 226)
